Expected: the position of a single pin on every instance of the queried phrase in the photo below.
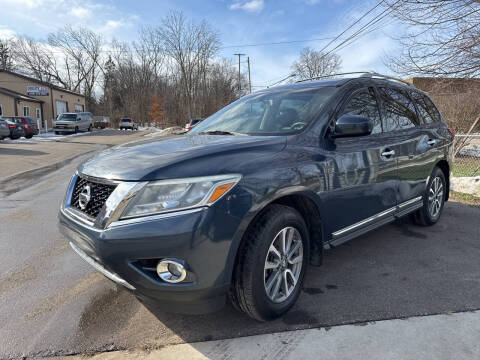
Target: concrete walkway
(450, 336)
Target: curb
(20, 178)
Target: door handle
(431, 142)
(388, 153)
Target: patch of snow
(467, 185)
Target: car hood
(182, 156)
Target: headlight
(179, 194)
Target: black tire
(76, 130)
(90, 128)
(29, 136)
(248, 290)
(57, 133)
(425, 216)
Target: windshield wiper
(219, 132)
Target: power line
(276, 43)
(352, 25)
(221, 47)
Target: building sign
(37, 90)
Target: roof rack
(368, 74)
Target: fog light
(171, 271)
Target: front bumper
(200, 237)
(66, 130)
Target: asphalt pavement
(53, 303)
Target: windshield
(268, 113)
(11, 120)
(67, 117)
(126, 120)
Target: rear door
(363, 175)
(412, 150)
(433, 129)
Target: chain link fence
(466, 167)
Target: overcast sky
(237, 21)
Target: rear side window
(399, 110)
(426, 108)
(365, 104)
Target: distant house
(23, 95)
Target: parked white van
(73, 122)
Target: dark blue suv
(243, 203)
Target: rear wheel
(76, 130)
(433, 200)
(271, 265)
(90, 128)
(29, 136)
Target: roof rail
(369, 74)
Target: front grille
(99, 194)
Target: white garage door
(61, 107)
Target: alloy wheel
(283, 264)
(435, 197)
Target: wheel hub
(283, 264)
(435, 197)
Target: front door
(362, 175)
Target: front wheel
(76, 130)
(271, 264)
(90, 128)
(433, 199)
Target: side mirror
(352, 125)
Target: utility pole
(239, 77)
(249, 80)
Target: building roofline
(440, 78)
(18, 95)
(55, 87)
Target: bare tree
(6, 62)
(314, 63)
(191, 47)
(442, 37)
(36, 59)
(81, 50)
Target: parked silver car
(73, 122)
(4, 130)
(128, 123)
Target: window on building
(26, 111)
(365, 104)
(78, 108)
(38, 114)
(399, 110)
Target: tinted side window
(423, 111)
(432, 109)
(365, 104)
(399, 110)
